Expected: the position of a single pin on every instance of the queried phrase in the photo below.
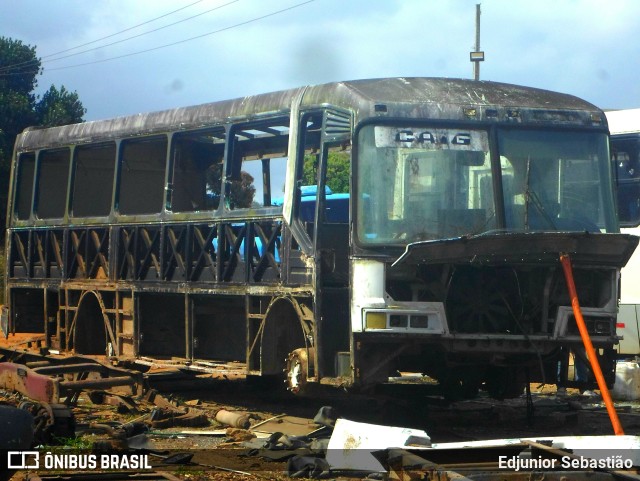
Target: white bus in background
(624, 126)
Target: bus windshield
(420, 183)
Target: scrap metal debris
(168, 414)
(233, 419)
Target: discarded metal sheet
(351, 444)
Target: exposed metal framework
(189, 234)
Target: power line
(32, 62)
(125, 30)
(166, 45)
(143, 33)
(185, 40)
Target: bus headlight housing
(427, 318)
(375, 320)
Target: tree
(59, 107)
(337, 170)
(242, 191)
(20, 108)
(17, 101)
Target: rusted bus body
(187, 234)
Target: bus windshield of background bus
(556, 181)
(422, 183)
(417, 183)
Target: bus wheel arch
(285, 343)
(89, 323)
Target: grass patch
(78, 443)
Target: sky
(223, 49)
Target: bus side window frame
(17, 190)
(170, 196)
(38, 187)
(74, 177)
(121, 145)
(234, 159)
(325, 142)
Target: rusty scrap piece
(238, 434)
(47, 379)
(164, 418)
(19, 378)
(50, 421)
(124, 404)
(51, 384)
(168, 414)
(44, 387)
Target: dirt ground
(218, 452)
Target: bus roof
(401, 97)
(623, 121)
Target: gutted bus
(344, 232)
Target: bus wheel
(298, 367)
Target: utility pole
(477, 55)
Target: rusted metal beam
(70, 368)
(96, 383)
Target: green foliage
(337, 171)
(310, 169)
(20, 108)
(59, 107)
(17, 103)
(77, 443)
